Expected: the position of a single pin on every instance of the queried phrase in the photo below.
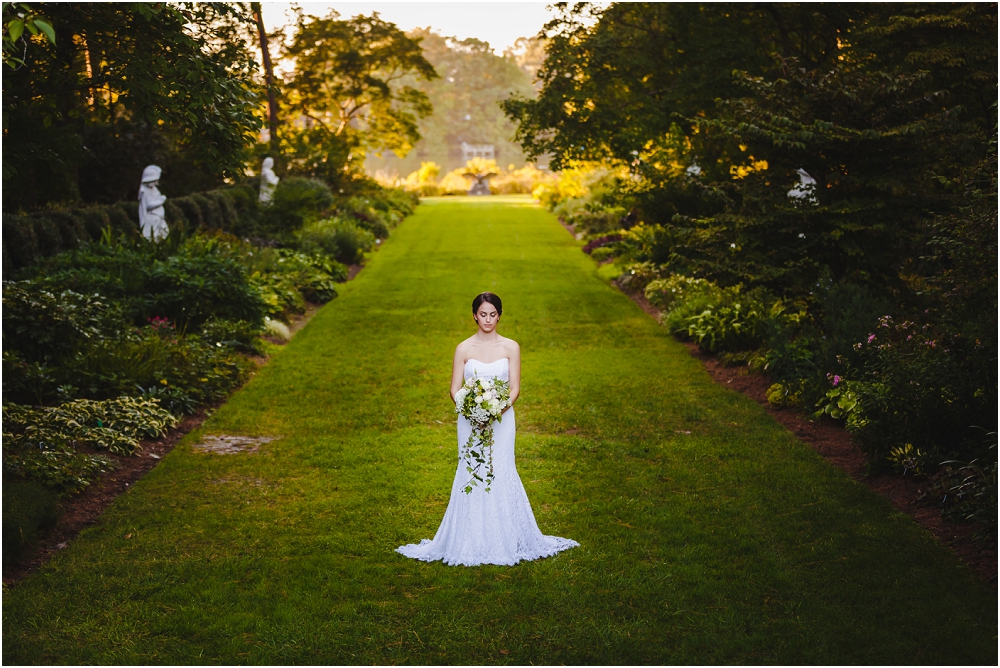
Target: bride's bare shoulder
(510, 346)
(464, 347)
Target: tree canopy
(351, 90)
(714, 108)
(123, 84)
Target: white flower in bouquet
(481, 402)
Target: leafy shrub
(785, 396)
(340, 239)
(41, 444)
(373, 213)
(281, 294)
(40, 323)
(296, 201)
(57, 466)
(27, 509)
(29, 238)
(637, 276)
(577, 187)
(923, 387)
(907, 459)
(313, 275)
(146, 358)
(722, 319)
(116, 425)
(736, 326)
(793, 361)
(603, 254)
(596, 220)
(523, 180)
(202, 280)
(373, 223)
(601, 242)
(174, 399)
(967, 490)
(237, 335)
(839, 403)
(973, 489)
(205, 372)
(663, 292)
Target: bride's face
(487, 317)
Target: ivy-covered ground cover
(708, 533)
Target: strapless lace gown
(495, 527)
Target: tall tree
(715, 107)
(272, 101)
(177, 74)
(350, 91)
(614, 78)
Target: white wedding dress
(495, 527)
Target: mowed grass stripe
(733, 543)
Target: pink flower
(836, 380)
(871, 337)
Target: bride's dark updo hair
(489, 298)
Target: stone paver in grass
(231, 445)
(708, 533)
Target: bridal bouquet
(481, 401)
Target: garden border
(82, 510)
(833, 442)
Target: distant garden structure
(484, 151)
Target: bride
(495, 527)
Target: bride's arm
(514, 370)
(457, 371)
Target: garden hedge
(29, 237)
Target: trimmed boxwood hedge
(28, 237)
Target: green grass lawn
(708, 533)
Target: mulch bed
(831, 440)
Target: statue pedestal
(480, 183)
(480, 188)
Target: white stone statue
(152, 216)
(480, 183)
(268, 181)
(806, 189)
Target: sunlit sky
(499, 23)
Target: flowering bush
(921, 386)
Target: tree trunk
(272, 103)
